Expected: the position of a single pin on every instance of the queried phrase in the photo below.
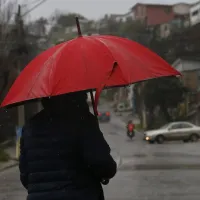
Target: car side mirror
(169, 129)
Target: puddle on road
(167, 154)
(163, 154)
(112, 133)
(140, 155)
(147, 167)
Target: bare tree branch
(7, 12)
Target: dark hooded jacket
(64, 155)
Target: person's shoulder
(33, 122)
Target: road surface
(154, 172)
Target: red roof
(151, 5)
(158, 15)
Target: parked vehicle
(184, 131)
(104, 116)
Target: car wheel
(160, 139)
(194, 138)
(151, 142)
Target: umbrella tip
(78, 27)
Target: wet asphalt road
(142, 174)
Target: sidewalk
(12, 162)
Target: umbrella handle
(99, 89)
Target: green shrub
(138, 127)
(4, 157)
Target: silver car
(184, 131)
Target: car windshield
(165, 126)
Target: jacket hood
(71, 105)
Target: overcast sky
(92, 8)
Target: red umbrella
(87, 63)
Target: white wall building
(182, 13)
(181, 8)
(195, 14)
(183, 65)
(124, 17)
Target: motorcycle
(131, 134)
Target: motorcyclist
(130, 129)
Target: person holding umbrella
(63, 152)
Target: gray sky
(92, 8)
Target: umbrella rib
(38, 75)
(99, 40)
(142, 63)
(84, 60)
(46, 63)
(115, 62)
(138, 58)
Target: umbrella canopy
(85, 63)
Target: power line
(30, 3)
(34, 7)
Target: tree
(67, 20)
(110, 26)
(133, 30)
(184, 44)
(7, 8)
(63, 25)
(166, 93)
(158, 45)
(15, 48)
(38, 27)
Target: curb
(6, 144)
(9, 167)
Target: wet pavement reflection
(146, 171)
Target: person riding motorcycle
(130, 129)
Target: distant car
(184, 131)
(104, 116)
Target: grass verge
(4, 157)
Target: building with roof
(153, 14)
(166, 17)
(123, 17)
(195, 13)
(190, 69)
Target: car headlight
(147, 138)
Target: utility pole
(142, 106)
(19, 27)
(18, 20)
(39, 105)
(144, 119)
